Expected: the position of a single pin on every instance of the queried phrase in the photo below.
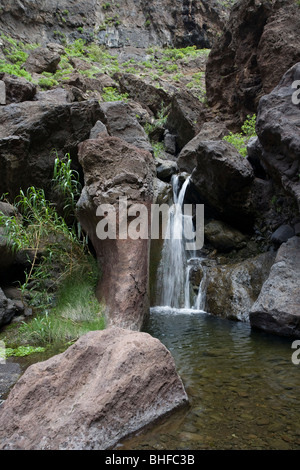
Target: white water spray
(173, 277)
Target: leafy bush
(240, 140)
(47, 82)
(111, 94)
(14, 69)
(158, 149)
(62, 277)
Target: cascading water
(173, 277)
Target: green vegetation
(14, 69)
(106, 6)
(47, 82)
(16, 53)
(66, 184)
(75, 313)
(22, 351)
(160, 121)
(158, 149)
(160, 63)
(240, 140)
(111, 94)
(61, 279)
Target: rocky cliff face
(258, 44)
(130, 22)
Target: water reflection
(242, 386)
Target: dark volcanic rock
(282, 234)
(259, 44)
(107, 385)
(232, 289)
(42, 60)
(142, 24)
(165, 168)
(121, 122)
(8, 309)
(278, 130)
(223, 237)
(18, 89)
(30, 131)
(223, 179)
(113, 169)
(211, 130)
(144, 92)
(187, 114)
(277, 309)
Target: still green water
(242, 386)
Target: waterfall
(201, 297)
(173, 276)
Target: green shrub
(47, 82)
(158, 149)
(61, 280)
(111, 94)
(14, 69)
(240, 140)
(106, 6)
(77, 48)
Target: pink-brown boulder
(107, 385)
(115, 169)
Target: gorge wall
(139, 23)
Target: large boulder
(121, 122)
(186, 116)
(223, 237)
(211, 130)
(30, 131)
(277, 309)
(42, 60)
(259, 43)
(278, 129)
(223, 178)
(114, 169)
(231, 289)
(18, 89)
(107, 385)
(143, 91)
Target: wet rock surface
(277, 307)
(104, 387)
(232, 289)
